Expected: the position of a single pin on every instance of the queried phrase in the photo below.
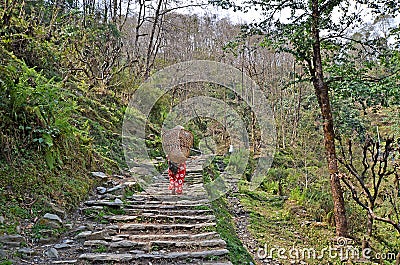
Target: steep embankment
(52, 134)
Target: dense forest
(330, 71)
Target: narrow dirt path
(152, 227)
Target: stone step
(182, 255)
(165, 191)
(164, 236)
(72, 261)
(96, 235)
(178, 201)
(156, 244)
(106, 257)
(12, 240)
(118, 244)
(156, 197)
(146, 226)
(187, 183)
(197, 169)
(188, 244)
(157, 208)
(163, 183)
(158, 217)
(187, 212)
(175, 199)
(152, 256)
(165, 206)
(114, 203)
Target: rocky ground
(117, 226)
(242, 222)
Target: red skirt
(176, 180)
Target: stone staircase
(151, 227)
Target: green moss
(226, 228)
(100, 249)
(38, 231)
(115, 211)
(201, 207)
(225, 224)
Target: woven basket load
(177, 143)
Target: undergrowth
(52, 134)
(292, 211)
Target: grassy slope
(277, 222)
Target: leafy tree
(314, 31)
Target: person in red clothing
(176, 175)
(176, 144)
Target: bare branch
(168, 10)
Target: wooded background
(68, 70)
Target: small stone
(97, 235)
(82, 227)
(130, 184)
(69, 226)
(12, 240)
(43, 240)
(50, 223)
(52, 217)
(68, 241)
(95, 243)
(99, 175)
(27, 251)
(61, 246)
(72, 261)
(102, 257)
(83, 234)
(52, 253)
(118, 201)
(101, 190)
(57, 210)
(2, 219)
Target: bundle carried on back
(177, 143)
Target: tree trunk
(321, 91)
(115, 10)
(150, 49)
(370, 223)
(105, 12)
